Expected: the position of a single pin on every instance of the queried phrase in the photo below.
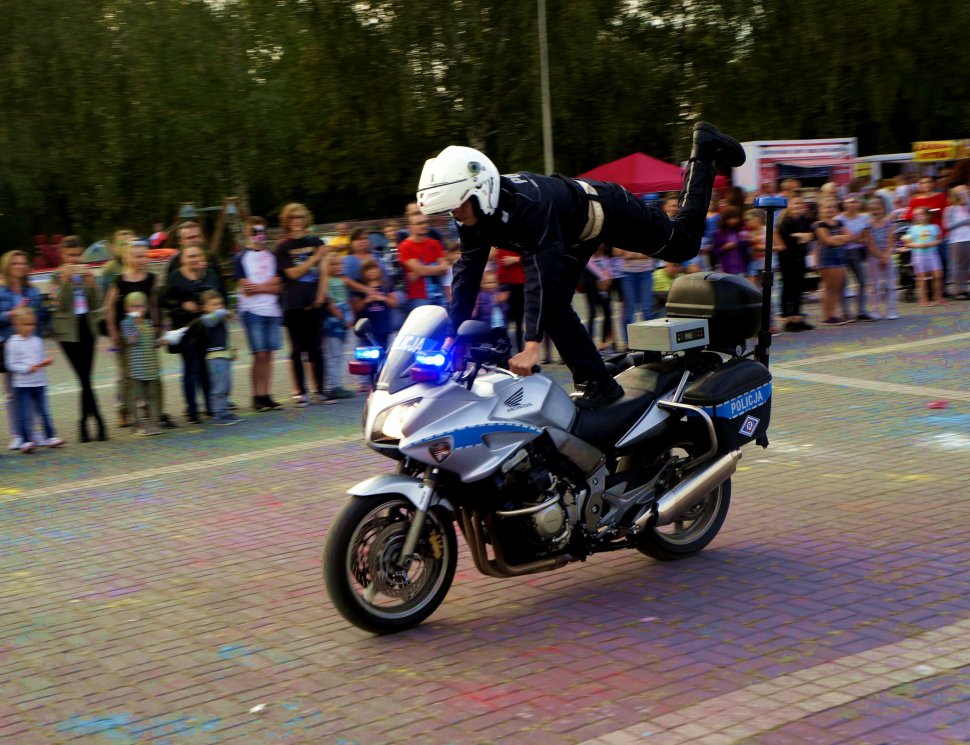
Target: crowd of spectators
(900, 238)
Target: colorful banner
(932, 150)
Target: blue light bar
(367, 353)
(775, 203)
(431, 359)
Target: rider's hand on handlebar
(524, 361)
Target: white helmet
(455, 175)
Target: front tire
(366, 584)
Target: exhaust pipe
(692, 490)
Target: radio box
(668, 334)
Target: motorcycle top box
(731, 305)
(738, 398)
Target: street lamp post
(544, 83)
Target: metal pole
(544, 82)
(769, 205)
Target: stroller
(904, 261)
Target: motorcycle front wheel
(366, 581)
(697, 527)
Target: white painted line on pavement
(762, 707)
(920, 391)
(902, 347)
(10, 495)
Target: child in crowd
(922, 238)
(335, 325)
(880, 243)
(218, 357)
(376, 305)
(259, 309)
(754, 227)
(756, 232)
(491, 306)
(144, 378)
(730, 248)
(25, 359)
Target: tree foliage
(117, 110)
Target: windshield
(423, 331)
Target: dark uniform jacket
(539, 218)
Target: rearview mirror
(474, 331)
(363, 328)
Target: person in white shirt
(259, 308)
(26, 360)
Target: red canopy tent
(642, 174)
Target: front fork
(417, 522)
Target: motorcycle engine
(539, 507)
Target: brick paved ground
(168, 589)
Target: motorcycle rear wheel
(693, 531)
(366, 584)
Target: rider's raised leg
(635, 226)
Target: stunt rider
(556, 223)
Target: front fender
(397, 483)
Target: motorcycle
(533, 482)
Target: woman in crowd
(183, 291)
(956, 219)
(856, 221)
(16, 291)
(133, 277)
(75, 298)
(299, 258)
(795, 230)
(636, 286)
(596, 281)
(832, 236)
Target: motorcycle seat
(602, 427)
(641, 387)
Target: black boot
(599, 393)
(83, 430)
(711, 145)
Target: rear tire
(693, 532)
(366, 585)
(698, 526)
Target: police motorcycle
(532, 482)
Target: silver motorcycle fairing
(535, 400)
(397, 483)
(450, 416)
(646, 426)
